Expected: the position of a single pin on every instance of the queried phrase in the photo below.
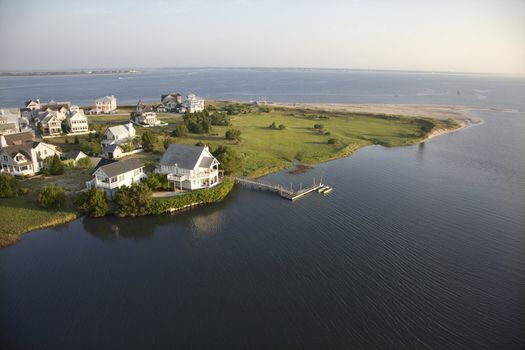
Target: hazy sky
(440, 35)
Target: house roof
(75, 154)
(18, 138)
(183, 155)
(119, 130)
(24, 148)
(7, 126)
(105, 99)
(112, 148)
(206, 162)
(121, 167)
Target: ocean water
(418, 247)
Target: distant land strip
(81, 72)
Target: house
(25, 159)
(106, 104)
(118, 134)
(171, 102)
(59, 109)
(189, 167)
(10, 122)
(32, 105)
(145, 115)
(77, 123)
(194, 104)
(16, 139)
(113, 151)
(113, 176)
(51, 124)
(74, 156)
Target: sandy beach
(456, 112)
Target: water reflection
(202, 222)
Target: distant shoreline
(60, 73)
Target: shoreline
(459, 114)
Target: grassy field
(266, 150)
(19, 215)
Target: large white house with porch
(113, 176)
(189, 167)
(26, 158)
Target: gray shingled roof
(206, 162)
(112, 148)
(121, 167)
(183, 155)
(18, 138)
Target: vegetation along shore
(248, 139)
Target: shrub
(134, 200)
(77, 140)
(148, 141)
(53, 166)
(334, 141)
(282, 127)
(210, 195)
(180, 131)
(92, 147)
(233, 134)
(230, 161)
(93, 203)
(84, 162)
(318, 126)
(273, 126)
(8, 185)
(157, 182)
(51, 197)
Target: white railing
(200, 176)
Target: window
(121, 177)
(5, 158)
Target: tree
(230, 161)
(92, 147)
(84, 162)
(133, 200)
(157, 182)
(233, 134)
(319, 126)
(77, 140)
(53, 166)
(8, 185)
(93, 203)
(206, 126)
(148, 141)
(166, 143)
(51, 197)
(273, 126)
(180, 131)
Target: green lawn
(265, 150)
(19, 215)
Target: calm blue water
(420, 247)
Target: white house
(11, 122)
(113, 151)
(77, 122)
(106, 104)
(113, 176)
(194, 104)
(51, 124)
(118, 134)
(25, 159)
(171, 102)
(189, 167)
(145, 115)
(16, 139)
(32, 104)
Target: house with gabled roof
(118, 134)
(106, 104)
(16, 139)
(171, 102)
(77, 123)
(51, 124)
(189, 167)
(32, 105)
(25, 159)
(113, 176)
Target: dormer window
(19, 158)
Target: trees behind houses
(53, 166)
(230, 160)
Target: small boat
(327, 190)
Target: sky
(485, 36)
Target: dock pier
(284, 192)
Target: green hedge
(215, 194)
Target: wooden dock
(284, 192)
